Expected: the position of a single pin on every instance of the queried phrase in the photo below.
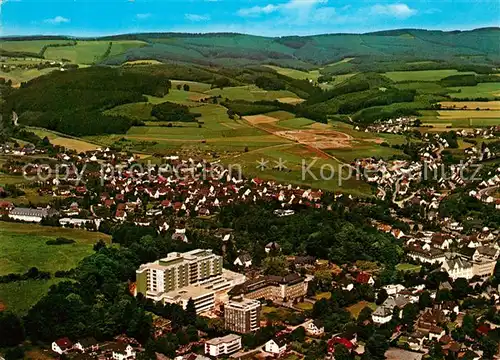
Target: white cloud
(399, 10)
(196, 17)
(57, 20)
(258, 10)
(143, 16)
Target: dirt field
(260, 119)
(321, 139)
(77, 145)
(290, 100)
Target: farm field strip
(423, 75)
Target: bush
(60, 241)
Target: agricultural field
(252, 93)
(30, 46)
(423, 75)
(22, 246)
(296, 74)
(18, 76)
(295, 123)
(136, 111)
(471, 105)
(486, 90)
(62, 140)
(88, 52)
(193, 85)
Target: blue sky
(259, 17)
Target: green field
(296, 123)
(22, 246)
(296, 74)
(423, 75)
(408, 267)
(88, 52)
(487, 90)
(20, 296)
(356, 308)
(250, 93)
(136, 111)
(193, 85)
(363, 149)
(31, 46)
(18, 76)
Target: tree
(99, 245)
(461, 288)
(410, 313)
(469, 325)
(381, 297)
(342, 352)
(377, 345)
(365, 314)
(190, 312)
(186, 87)
(299, 334)
(489, 347)
(14, 353)
(275, 265)
(11, 329)
(424, 300)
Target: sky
(257, 17)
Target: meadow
(486, 90)
(30, 46)
(89, 52)
(22, 246)
(296, 74)
(56, 138)
(251, 93)
(20, 296)
(423, 75)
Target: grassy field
(356, 308)
(20, 296)
(408, 267)
(296, 123)
(70, 143)
(88, 52)
(423, 75)
(325, 295)
(487, 90)
(364, 149)
(136, 111)
(18, 76)
(472, 105)
(250, 93)
(280, 115)
(193, 85)
(22, 246)
(32, 46)
(296, 74)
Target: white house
(382, 315)
(393, 289)
(224, 345)
(458, 268)
(61, 346)
(87, 345)
(123, 351)
(315, 328)
(30, 215)
(275, 346)
(243, 260)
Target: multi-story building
(224, 345)
(458, 268)
(196, 275)
(242, 315)
(282, 288)
(177, 271)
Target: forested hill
(397, 49)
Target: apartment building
(292, 287)
(196, 275)
(242, 315)
(224, 345)
(176, 271)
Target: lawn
(22, 246)
(20, 296)
(408, 267)
(356, 308)
(487, 90)
(325, 295)
(304, 306)
(423, 75)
